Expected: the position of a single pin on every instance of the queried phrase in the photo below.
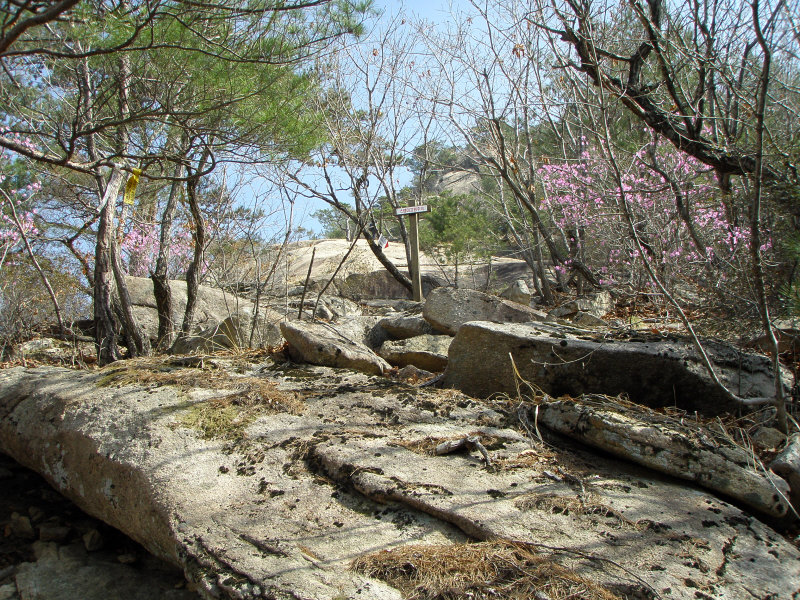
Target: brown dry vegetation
(497, 569)
(244, 398)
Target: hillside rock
(68, 573)
(787, 465)
(214, 314)
(584, 319)
(655, 373)
(447, 309)
(233, 333)
(596, 305)
(381, 284)
(518, 292)
(321, 344)
(427, 352)
(405, 325)
(281, 509)
(667, 446)
(364, 329)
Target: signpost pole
(413, 212)
(413, 238)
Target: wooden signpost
(413, 212)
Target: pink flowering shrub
(141, 244)
(581, 195)
(16, 218)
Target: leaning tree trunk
(138, 342)
(106, 325)
(161, 288)
(193, 272)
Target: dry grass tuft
(223, 417)
(568, 505)
(427, 445)
(496, 570)
(227, 417)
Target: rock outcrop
(787, 465)
(405, 325)
(256, 492)
(427, 352)
(596, 305)
(321, 344)
(232, 333)
(667, 446)
(518, 292)
(220, 317)
(655, 372)
(447, 309)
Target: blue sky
(434, 11)
(430, 10)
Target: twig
(305, 286)
(469, 442)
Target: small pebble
(49, 532)
(127, 559)
(36, 514)
(92, 540)
(21, 527)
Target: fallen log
(666, 445)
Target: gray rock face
(364, 329)
(588, 320)
(66, 574)
(447, 309)
(596, 305)
(427, 352)
(654, 441)
(787, 465)
(213, 307)
(283, 512)
(320, 344)
(655, 373)
(233, 333)
(405, 326)
(380, 284)
(518, 292)
(329, 308)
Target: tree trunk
(138, 342)
(161, 289)
(106, 325)
(193, 272)
(387, 264)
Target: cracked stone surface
(281, 510)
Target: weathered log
(662, 444)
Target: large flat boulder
(655, 372)
(321, 344)
(668, 446)
(427, 352)
(447, 309)
(234, 333)
(218, 320)
(405, 325)
(258, 495)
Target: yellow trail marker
(130, 187)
